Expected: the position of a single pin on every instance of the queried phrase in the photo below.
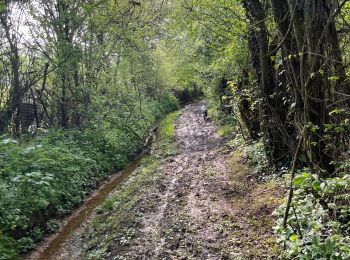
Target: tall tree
(310, 47)
(272, 110)
(16, 91)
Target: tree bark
(16, 93)
(271, 112)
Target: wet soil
(202, 203)
(209, 204)
(73, 225)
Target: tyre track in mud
(205, 204)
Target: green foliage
(226, 131)
(167, 128)
(167, 125)
(52, 225)
(257, 156)
(318, 225)
(50, 175)
(8, 247)
(205, 42)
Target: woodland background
(83, 82)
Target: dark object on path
(205, 115)
(135, 2)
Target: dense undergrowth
(318, 225)
(45, 177)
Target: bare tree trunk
(271, 112)
(288, 44)
(63, 103)
(16, 93)
(317, 87)
(36, 114)
(313, 39)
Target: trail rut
(205, 204)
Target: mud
(205, 204)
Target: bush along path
(193, 198)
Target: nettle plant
(318, 225)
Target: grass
(256, 199)
(167, 129)
(167, 126)
(226, 130)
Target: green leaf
(339, 129)
(328, 127)
(316, 186)
(294, 237)
(299, 180)
(329, 245)
(335, 111)
(333, 78)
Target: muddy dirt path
(205, 204)
(209, 204)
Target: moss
(226, 131)
(256, 199)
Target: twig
(293, 171)
(298, 223)
(287, 33)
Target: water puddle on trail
(51, 245)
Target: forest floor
(200, 201)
